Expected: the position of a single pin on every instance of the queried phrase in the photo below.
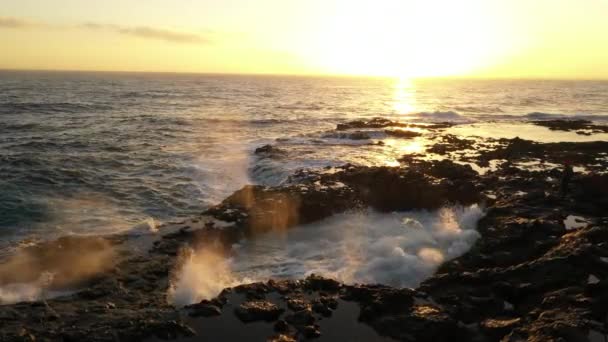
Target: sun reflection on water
(408, 147)
(403, 97)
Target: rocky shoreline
(530, 276)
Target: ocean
(96, 153)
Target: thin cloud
(148, 32)
(162, 34)
(16, 23)
(96, 26)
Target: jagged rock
(282, 338)
(402, 133)
(270, 151)
(583, 127)
(324, 305)
(315, 282)
(374, 123)
(258, 311)
(298, 304)
(497, 328)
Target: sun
(404, 38)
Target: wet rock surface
(257, 311)
(582, 127)
(384, 123)
(526, 278)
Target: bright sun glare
(407, 38)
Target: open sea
(94, 153)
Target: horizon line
(312, 75)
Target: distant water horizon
(95, 152)
(310, 75)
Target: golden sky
(406, 38)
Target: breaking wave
(399, 249)
(438, 116)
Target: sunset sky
(407, 38)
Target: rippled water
(100, 152)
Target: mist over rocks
(527, 277)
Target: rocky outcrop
(582, 127)
(526, 278)
(384, 123)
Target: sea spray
(54, 267)
(400, 249)
(19, 292)
(202, 274)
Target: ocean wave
(150, 95)
(17, 127)
(301, 106)
(437, 116)
(260, 122)
(478, 109)
(49, 107)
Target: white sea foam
(575, 222)
(400, 249)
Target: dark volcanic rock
(258, 311)
(402, 133)
(318, 283)
(298, 304)
(374, 123)
(497, 328)
(263, 149)
(383, 123)
(310, 331)
(526, 278)
(282, 338)
(583, 127)
(385, 189)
